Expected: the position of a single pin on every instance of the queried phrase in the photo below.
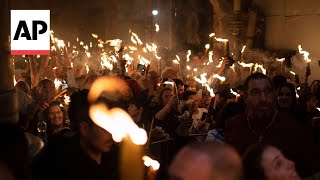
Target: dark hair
(292, 91)
(314, 82)
(22, 85)
(178, 82)
(138, 101)
(161, 93)
(252, 158)
(187, 94)
(255, 76)
(278, 80)
(79, 108)
(14, 153)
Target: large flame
(305, 54)
(118, 123)
(57, 83)
(203, 80)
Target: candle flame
(87, 67)
(88, 54)
(305, 54)
(150, 162)
(132, 48)
(264, 71)
(81, 43)
(234, 93)
(157, 27)
(281, 59)
(318, 109)
(211, 35)
(293, 73)
(66, 99)
(55, 68)
(14, 80)
(221, 78)
(188, 55)
(188, 67)
(57, 83)
(94, 35)
(207, 46)
(195, 69)
(117, 122)
(127, 57)
(175, 61)
(135, 38)
(203, 80)
(210, 56)
(243, 48)
(220, 64)
(233, 68)
(116, 43)
(245, 65)
(143, 60)
(221, 39)
(71, 64)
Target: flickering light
(155, 12)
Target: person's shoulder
(236, 119)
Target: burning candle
(117, 122)
(225, 46)
(153, 167)
(281, 61)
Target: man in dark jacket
(262, 123)
(87, 153)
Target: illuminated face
(276, 166)
(55, 116)
(47, 91)
(166, 96)
(285, 98)
(312, 103)
(98, 139)
(260, 97)
(180, 89)
(194, 103)
(315, 87)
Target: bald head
(206, 162)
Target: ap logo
(30, 32)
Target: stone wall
(293, 22)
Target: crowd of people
(266, 131)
